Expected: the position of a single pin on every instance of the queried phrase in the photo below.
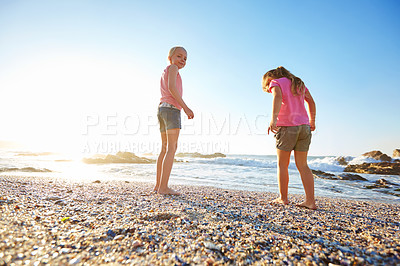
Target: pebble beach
(66, 222)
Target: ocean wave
(333, 164)
(237, 162)
(199, 155)
(326, 164)
(25, 169)
(35, 153)
(363, 159)
(329, 164)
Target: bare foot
(155, 190)
(280, 201)
(307, 205)
(168, 191)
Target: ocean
(239, 172)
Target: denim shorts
(296, 138)
(169, 118)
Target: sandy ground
(60, 222)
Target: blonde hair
(297, 87)
(172, 51)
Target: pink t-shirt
(166, 95)
(293, 112)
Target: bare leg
(283, 176)
(166, 166)
(160, 160)
(307, 178)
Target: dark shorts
(296, 138)
(169, 118)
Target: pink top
(166, 95)
(293, 112)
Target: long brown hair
(297, 87)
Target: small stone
(52, 198)
(65, 250)
(212, 246)
(60, 202)
(292, 251)
(197, 259)
(111, 233)
(136, 244)
(119, 237)
(75, 261)
(209, 261)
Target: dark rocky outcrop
(343, 176)
(383, 168)
(378, 155)
(382, 183)
(324, 175)
(384, 186)
(387, 166)
(120, 157)
(351, 177)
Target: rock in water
(382, 183)
(378, 155)
(324, 175)
(342, 161)
(351, 177)
(120, 157)
(383, 168)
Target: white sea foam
(326, 164)
(322, 163)
(362, 159)
(260, 163)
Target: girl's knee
(303, 169)
(172, 147)
(301, 164)
(164, 148)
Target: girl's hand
(272, 127)
(189, 113)
(312, 125)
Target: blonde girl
(292, 127)
(169, 117)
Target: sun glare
(51, 98)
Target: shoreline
(59, 221)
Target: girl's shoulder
(171, 67)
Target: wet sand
(55, 221)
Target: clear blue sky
(65, 65)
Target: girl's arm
(312, 109)
(276, 107)
(172, 74)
